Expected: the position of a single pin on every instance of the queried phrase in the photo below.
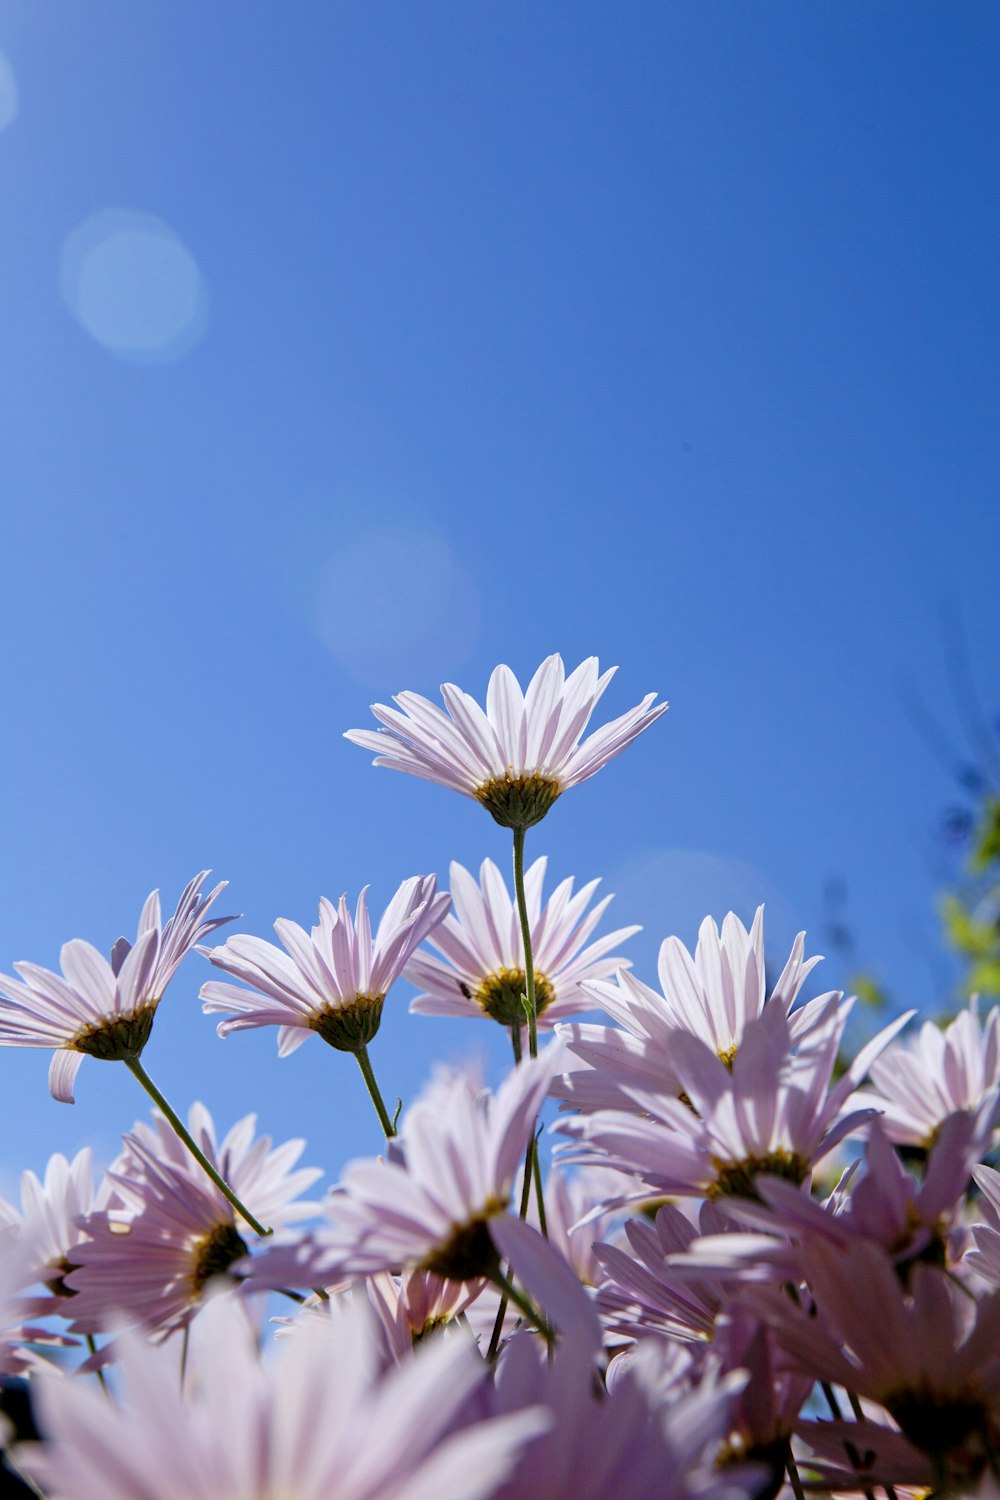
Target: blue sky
(347, 348)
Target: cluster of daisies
(753, 1267)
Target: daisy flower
(774, 1113)
(519, 755)
(317, 1419)
(943, 1071)
(332, 981)
(429, 1201)
(711, 994)
(151, 1262)
(931, 1355)
(47, 1223)
(481, 970)
(97, 1007)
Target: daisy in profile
(331, 982)
(101, 1007)
(317, 1419)
(150, 1262)
(711, 994)
(481, 968)
(522, 752)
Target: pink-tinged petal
(551, 1282)
(63, 1069)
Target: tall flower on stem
(104, 1008)
(332, 981)
(481, 967)
(515, 758)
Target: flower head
(99, 1007)
(151, 1262)
(481, 968)
(939, 1073)
(518, 755)
(712, 995)
(318, 1419)
(333, 980)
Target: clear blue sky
(352, 347)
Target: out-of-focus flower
(97, 1007)
(520, 754)
(648, 1438)
(332, 981)
(712, 995)
(929, 1353)
(481, 968)
(319, 1419)
(920, 1083)
(773, 1113)
(151, 1262)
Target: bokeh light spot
(133, 286)
(395, 603)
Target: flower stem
(529, 965)
(523, 1304)
(92, 1346)
(136, 1068)
(853, 1456)
(364, 1063)
(793, 1474)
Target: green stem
(529, 964)
(539, 1195)
(136, 1068)
(523, 1304)
(364, 1063)
(92, 1346)
(515, 1042)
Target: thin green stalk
(92, 1346)
(539, 1195)
(529, 964)
(185, 1351)
(136, 1068)
(523, 1304)
(364, 1063)
(515, 1042)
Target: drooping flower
(712, 995)
(774, 1113)
(151, 1262)
(943, 1071)
(101, 1008)
(318, 1419)
(481, 968)
(332, 981)
(520, 754)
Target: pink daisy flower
(711, 995)
(47, 1224)
(429, 1201)
(97, 1007)
(481, 967)
(150, 1262)
(318, 1419)
(919, 1084)
(519, 755)
(774, 1112)
(332, 981)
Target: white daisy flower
(101, 1008)
(520, 754)
(481, 968)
